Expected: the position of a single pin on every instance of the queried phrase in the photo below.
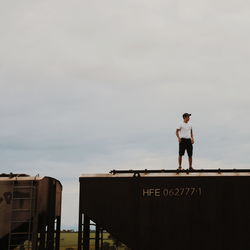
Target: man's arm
(192, 136)
(177, 134)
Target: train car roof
(20, 178)
(24, 177)
(169, 173)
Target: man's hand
(177, 134)
(192, 140)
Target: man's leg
(190, 154)
(181, 153)
(180, 161)
(190, 159)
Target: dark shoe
(191, 169)
(179, 168)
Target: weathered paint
(47, 207)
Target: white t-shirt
(185, 130)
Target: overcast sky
(91, 86)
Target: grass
(68, 241)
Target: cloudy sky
(91, 86)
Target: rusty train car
(30, 212)
(168, 210)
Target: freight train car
(30, 212)
(168, 210)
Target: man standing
(185, 136)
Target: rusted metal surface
(29, 206)
(200, 210)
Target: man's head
(186, 117)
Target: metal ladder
(22, 212)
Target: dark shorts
(186, 144)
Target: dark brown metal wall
(44, 215)
(171, 213)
